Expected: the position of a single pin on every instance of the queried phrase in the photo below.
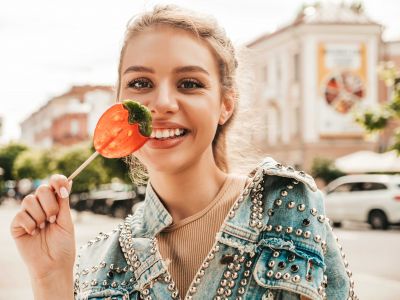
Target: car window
(346, 187)
(373, 186)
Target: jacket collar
(156, 217)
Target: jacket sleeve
(298, 251)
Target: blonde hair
(206, 29)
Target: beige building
(68, 118)
(312, 75)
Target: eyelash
(132, 83)
(191, 80)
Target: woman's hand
(44, 233)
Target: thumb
(64, 218)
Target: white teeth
(166, 133)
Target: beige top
(186, 243)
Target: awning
(368, 161)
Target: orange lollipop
(121, 130)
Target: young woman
(202, 232)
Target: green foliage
(115, 167)
(378, 121)
(373, 121)
(30, 164)
(324, 168)
(8, 155)
(93, 175)
(394, 105)
(18, 161)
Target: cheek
(206, 116)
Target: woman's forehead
(168, 47)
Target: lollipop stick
(83, 165)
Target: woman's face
(176, 76)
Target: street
(372, 255)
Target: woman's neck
(188, 192)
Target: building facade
(67, 119)
(312, 75)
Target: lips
(165, 143)
(157, 124)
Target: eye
(140, 83)
(190, 84)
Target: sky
(47, 46)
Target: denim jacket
(275, 243)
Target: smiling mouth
(182, 133)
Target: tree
(8, 156)
(376, 121)
(29, 164)
(93, 175)
(324, 168)
(115, 167)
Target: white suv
(368, 198)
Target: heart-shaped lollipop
(120, 131)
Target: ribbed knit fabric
(185, 244)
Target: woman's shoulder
(293, 206)
(294, 225)
(271, 167)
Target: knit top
(186, 243)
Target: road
(373, 256)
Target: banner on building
(342, 77)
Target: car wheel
(378, 220)
(119, 212)
(337, 224)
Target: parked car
(366, 198)
(115, 199)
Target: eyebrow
(185, 69)
(188, 69)
(139, 69)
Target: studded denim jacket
(275, 243)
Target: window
(264, 73)
(296, 66)
(348, 187)
(74, 127)
(342, 188)
(278, 69)
(373, 186)
(359, 187)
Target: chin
(167, 164)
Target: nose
(164, 101)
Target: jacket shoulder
(271, 167)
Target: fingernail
(52, 219)
(41, 226)
(33, 232)
(63, 192)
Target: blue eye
(190, 84)
(140, 83)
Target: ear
(227, 107)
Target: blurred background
(326, 73)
